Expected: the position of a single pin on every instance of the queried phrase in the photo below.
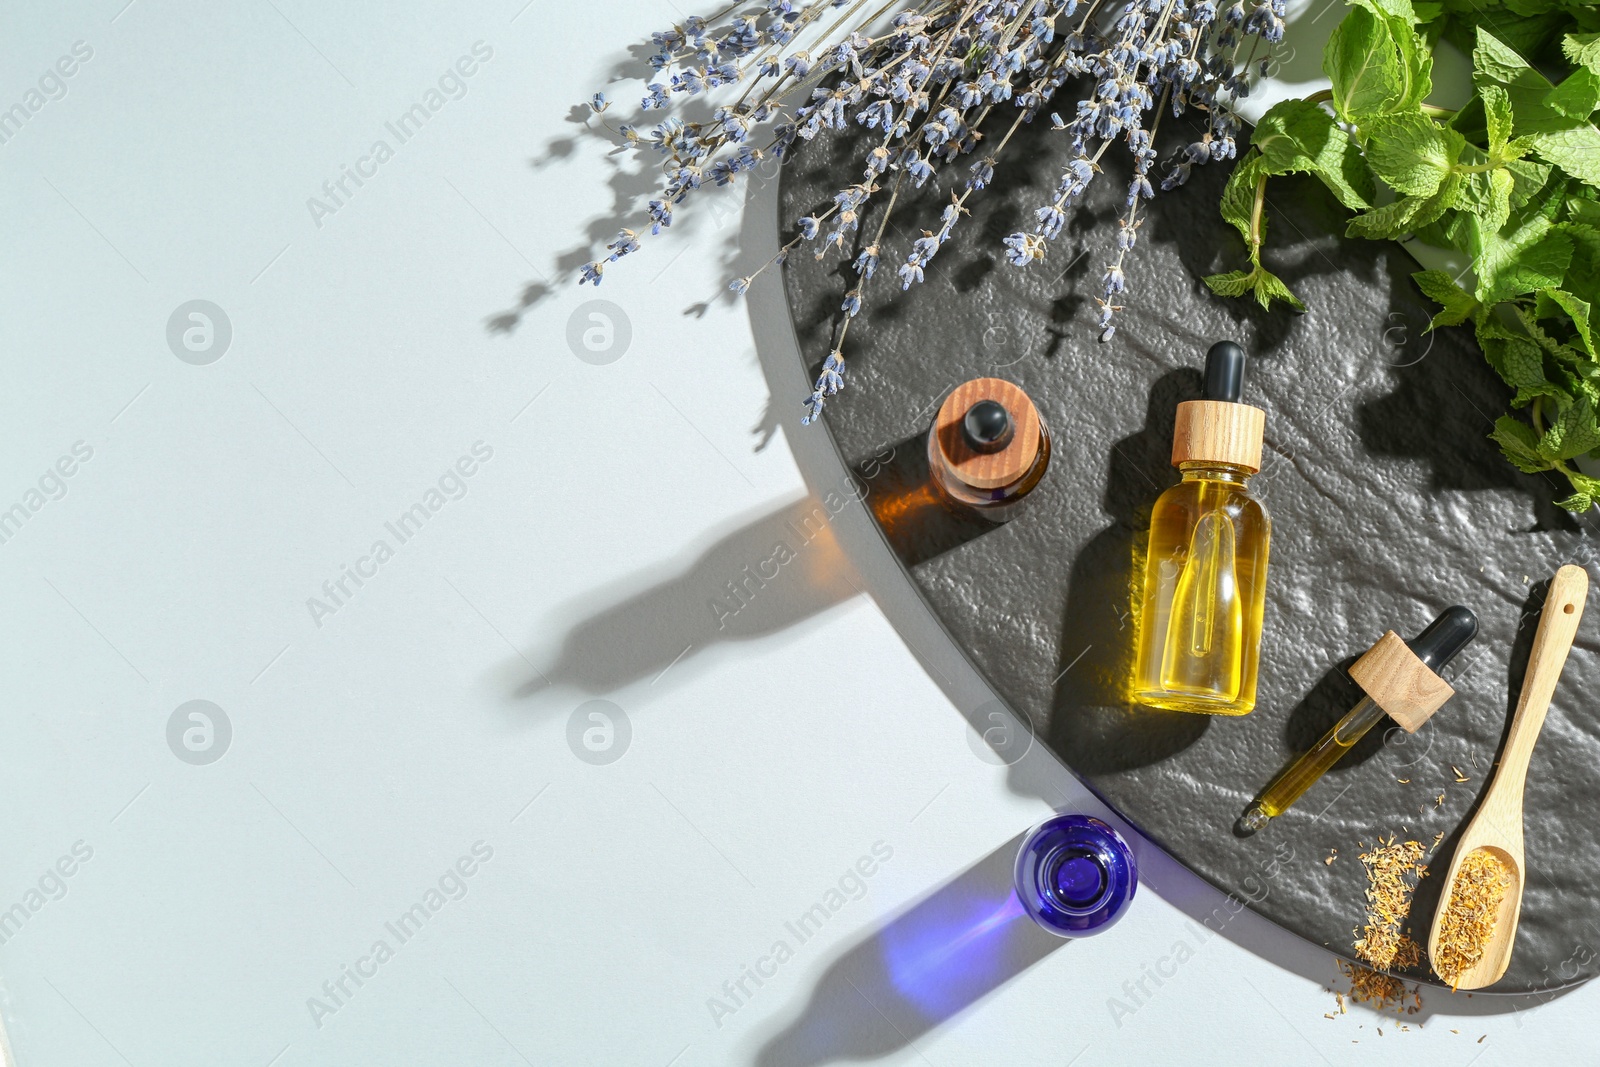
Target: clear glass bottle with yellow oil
(1205, 568)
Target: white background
(431, 711)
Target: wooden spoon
(1498, 825)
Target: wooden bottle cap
(1400, 683)
(992, 469)
(1217, 431)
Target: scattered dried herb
(1471, 913)
(1383, 992)
(1393, 870)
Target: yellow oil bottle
(1205, 578)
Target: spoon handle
(1558, 625)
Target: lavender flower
(1024, 248)
(928, 81)
(660, 216)
(829, 382)
(627, 241)
(867, 263)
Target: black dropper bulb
(1225, 372)
(1446, 635)
(987, 426)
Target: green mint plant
(1510, 181)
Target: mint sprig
(1511, 181)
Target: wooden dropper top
(1219, 429)
(988, 433)
(1402, 676)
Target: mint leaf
(1390, 222)
(1575, 150)
(1341, 168)
(1578, 502)
(1497, 116)
(1501, 185)
(1270, 287)
(1239, 197)
(1573, 433)
(1266, 286)
(1577, 371)
(1583, 272)
(1529, 255)
(1486, 194)
(1412, 152)
(1406, 215)
(1586, 211)
(1577, 96)
(1542, 265)
(1363, 62)
(1518, 361)
(1529, 177)
(1279, 147)
(1493, 59)
(1416, 61)
(1519, 443)
(1296, 136)
(1570, 143)
(1234, 283)
(1585, 491)
(1458, 304)
(1583, 49)
(1495, 62)
(1400, 9)
(1576, 308)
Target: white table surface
(376, 742)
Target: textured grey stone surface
(1388, 504)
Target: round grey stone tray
(1389, 503)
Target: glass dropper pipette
(1447, 635)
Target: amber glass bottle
(1205, 569)
(987, 448)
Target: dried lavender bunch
(926, 75)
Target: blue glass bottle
(1075, 875)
